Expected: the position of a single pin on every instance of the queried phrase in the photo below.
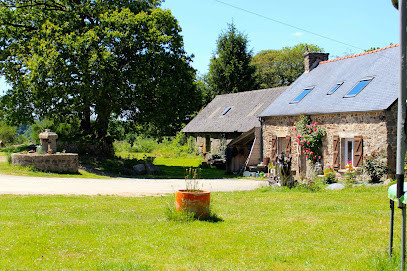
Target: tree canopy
(229, 69)
(281, 67)
(94, 61)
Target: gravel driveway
(22, 185)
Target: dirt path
(22, 185)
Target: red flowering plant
(309, 137)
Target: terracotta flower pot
(196, 202)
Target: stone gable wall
(378, 129)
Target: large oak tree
(95, 60)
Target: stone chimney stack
(311, 60)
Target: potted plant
(193, 199)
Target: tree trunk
(85, 122)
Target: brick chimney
(311, 60)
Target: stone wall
(64, 162)
(378, 129)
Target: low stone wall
(61, 162)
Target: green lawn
(267, 229)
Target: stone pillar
(48, 141)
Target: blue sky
(360, 23)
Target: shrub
(7, 133)
(350, 173)
(375, 166)
(329, 175)
(169, 147)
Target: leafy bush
(329, 175)
(170, 147)
(140, 145)
(310, 185)
(350, 173)
(375, 166)
(7, 133)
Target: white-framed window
(348, 150)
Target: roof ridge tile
(361, 54)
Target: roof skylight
(358, 88)
(301, 96)
(334, 88)
(226, 110)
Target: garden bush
(169, 147)
(329, 175)
(375, 166)
(7, 133)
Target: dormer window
(301, 96)
(334, 88)
(358, 88)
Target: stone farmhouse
(231, 120)
(354, 98)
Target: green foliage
(8, 158)
(375, 166)
(310, 185)
(40, 150)
(309, 137)
(7, 133)
(376, 48)
(203, 88)
(87, 62)
(15, 148)
(350, 173)
(329, 175)
(177, 146)
(229, 69)
(140, 144)
(173, 215)
(281, 67)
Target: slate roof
(243, 115)
(382, 65)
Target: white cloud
(298, 34)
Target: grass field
(267, 229)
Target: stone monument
(51, 160)
(48, 141)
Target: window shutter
(288, 145)
(336, 152)
(358, 151)
(273, 148)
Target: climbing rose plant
(309, 137)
